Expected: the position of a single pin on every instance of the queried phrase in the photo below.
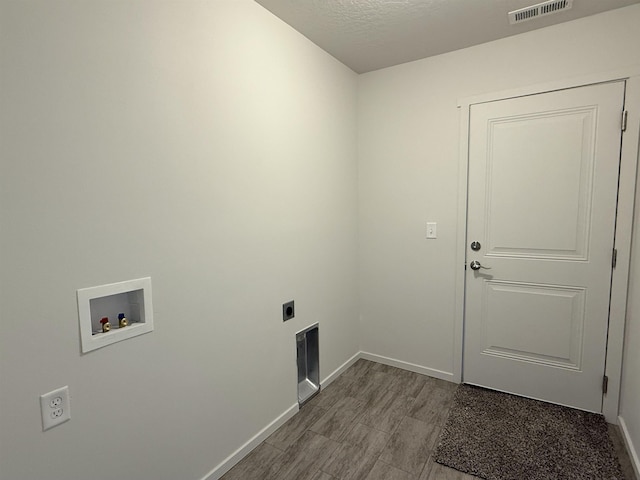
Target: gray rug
(497, 436)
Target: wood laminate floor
(374, 422)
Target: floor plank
(357, 455)
(303, 459)
(410, 445)
(295, 427)
(339, 419)
(387, 411)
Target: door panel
(543, 175)
(554, 151)
(545, 328)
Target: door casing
(624, 223)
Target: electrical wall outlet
(288, 311)
(55, 408)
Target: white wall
(630, 393)
(210, 146)
(408, 174)
(207, 145)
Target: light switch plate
(432, 230)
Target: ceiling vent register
(540, 10)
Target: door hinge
(605, 384)
(614, 258)
(625, 114)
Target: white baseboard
(633, 453)
(431, 372)
(245, 449)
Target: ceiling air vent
(539, 10)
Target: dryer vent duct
(540, 10)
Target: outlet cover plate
(55, 407)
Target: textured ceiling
(370, 34)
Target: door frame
(630, 149)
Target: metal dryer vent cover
(539, 10)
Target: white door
(543, 179)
